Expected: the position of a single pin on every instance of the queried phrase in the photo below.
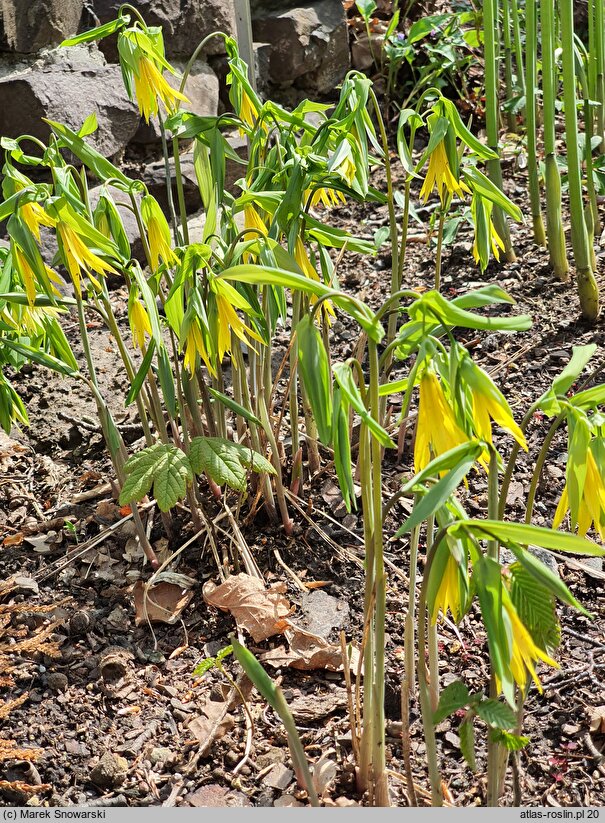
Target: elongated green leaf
(342, 448)
(521, 533)
(343, 375)
(455, 696)
(91, 158)
(433, 306)
(139, 378)
(466, 732)
(484, 186)
(444, 462)
(99, 32)
(544, 577)
(230, 403)
(436, 497)
(315, 371)
(255, 672)
(40, 357)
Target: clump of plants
(203, 315)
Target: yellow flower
(329, 197)
(253, 220)
(34, 216)
(440, 177)
(140, 324)
(248, 111)
(227, 300)
(27, 274)
(436, 429)
(79, 258)
(488, 402)
(158, 233)
(307, 268)
(448, 593)
(151, 86)
(522, 649)
(592, 503)
(481, 210)
(194, 345)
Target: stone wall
(301, 48)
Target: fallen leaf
(211, 725)
(308, 651)
(162, 603)
(259, 610)
(597, 720)
(13, 539)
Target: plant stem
(542, 455)
(531, 47)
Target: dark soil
(109, 703)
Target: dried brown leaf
(162, 603)
(597, 720)
(259, 610)
(308, 651)
(24, 788)
(211, 725)
(324, 773)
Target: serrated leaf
(252, 459)
(496, 714)
(165, 467)
(535, 605)
(203, 667)
(453, 697)
(466, 732)
(219, 460)
(510, 741)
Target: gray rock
(154, 177)
(67, 85)
(310, 45)
(279, 777)
(544, 556)
(110, 772)
(184, 22)
(202, 91)
(26, 26)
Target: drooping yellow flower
(227, 300)
(308, 269)
(488, 403)
(79, 258)
(158, 232)
(522, 649)
(448, 593)
(194, 345)
(329, 197)
(27, 274)
(436, 429)
(253, 220)
(592, 502)
(481, 210)
(140, 325)
(248, 111)
(151, 87)
(440, 177)
(34, 216)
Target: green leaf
(91, 158)
(344, 377)
(497, 714)
(433, 306)
(216, 457)
(315, 371)
(444, 462)
(225, 461)
(485, 188)
(40, 357)
(230, 403)
(535, 606)
(466, 731)
(511, 742)
(545, 577)
(255, 672)
(139, 378)
(515, 533)
(564, 381)
(99, 32)
(453, 697)
(342, 448)
(366, 8)
(203, 667)
(438, 494)
(163, 465)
